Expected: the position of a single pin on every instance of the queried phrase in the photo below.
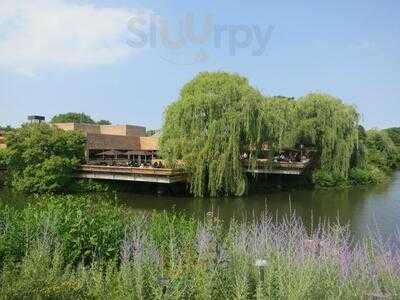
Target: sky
(125, 61)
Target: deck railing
(131, 170)
(268, 164)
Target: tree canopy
(215, 119)
(330, 125)
(41, 158)
(104, 122)
(382, 151)
(6, 128)
(394, 134)
(73, 117)
(219, 116)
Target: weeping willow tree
(219, 116)
(279, 122)
(332, 127)
(216, 119)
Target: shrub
(90, 185)
(42, 158)
(325, 179)
(368, 175)
(84, 228)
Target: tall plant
(215, 120)
(332, 127)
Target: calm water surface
(364, 209)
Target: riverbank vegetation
(220, 116)
(75, 248)
(40, 158)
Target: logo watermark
(154, 31)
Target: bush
(368, 175)
(41, 158)
(326, 179)
(84, 229)
(90, 185)
(382, 151)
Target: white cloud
(41, 34)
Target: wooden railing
(268, 164)
(132, 170)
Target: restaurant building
(115, 142)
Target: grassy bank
(74, 248)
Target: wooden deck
(265, 166)
(167, 176)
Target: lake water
(364, 209)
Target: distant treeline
(72, 117)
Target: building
(115, 141)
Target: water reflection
(363, 208)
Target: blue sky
(60, 56)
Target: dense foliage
(394, 134)
(219, 116)
(6, 128)
(79, 248)
(72, 117)
(104, 122)
(3, 158)
(41, 158)
(215, 120)
(332, 126)
(382, 152)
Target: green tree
(359, 156)
(72, 117)
(6, 128)
(332, 126)
(216, 118)
(394, 134)
(381, 150)
(41, 158)
(279, 122)
(4, 156)
(219, 116)
(104, 122)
